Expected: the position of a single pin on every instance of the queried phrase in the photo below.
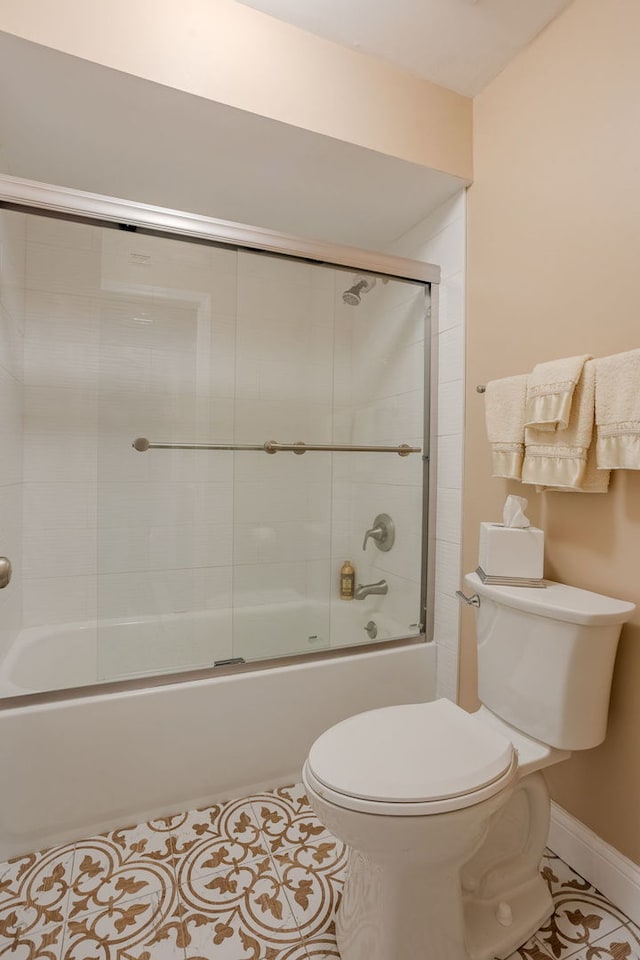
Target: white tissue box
(511, 551)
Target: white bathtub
(80, 765)
(79, 654)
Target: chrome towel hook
(473, 601)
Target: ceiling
(67, 121)
(459, 44)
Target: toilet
(446, 813)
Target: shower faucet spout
(367, 589)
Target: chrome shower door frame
(46, 199)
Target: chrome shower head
(352, 295)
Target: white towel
(550, 393)
(559, 459)
(618, 411)
(593, 481)
(504, 412)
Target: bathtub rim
(204, 673)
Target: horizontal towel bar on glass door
(272, 446)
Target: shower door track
(61, 201)
(224, 669)
(31, 196)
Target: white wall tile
(451, 354)
(48, 553)
(12, 264)
(62, 233)
(215, 587)
(451, 306)
(58, 506)
(447, 673)
(11, 343)
(282, 420)
(148, 593)
(62, 269)
(190, 545)
(448, 515)
(447, 620)
(447, 577)
(10, 429)
(268, 584)
(449, 462)
(59, 599)
(450, 408)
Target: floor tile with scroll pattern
(115, 867)
(215, 837)
(561, 878)
(34, 901)
(584, 922)
(286, 818)
(136, 929)
(531, 950)
(313, 875)
(43, 944)
(236, 913)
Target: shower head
(362, 285)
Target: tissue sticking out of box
(513, 513)
(512, 552)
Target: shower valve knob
(5, 572)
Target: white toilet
(445, 812)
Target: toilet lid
(412, 753)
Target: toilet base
(464, 885)
(377, 918)
(527, 909)
(402, 898)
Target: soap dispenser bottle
(347, 581)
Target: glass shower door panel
(167, 343)
(282, 578)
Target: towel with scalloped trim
(618, 411)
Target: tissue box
(511, 551)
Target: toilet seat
(411, 760)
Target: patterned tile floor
(253, 879)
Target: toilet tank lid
(558, 601)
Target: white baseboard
(617, 877)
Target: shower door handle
(5, 572)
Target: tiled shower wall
(441, 239)
(380, 361)
(12, 227)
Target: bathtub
(81, 762)
(61, 656)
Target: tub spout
(367, 589)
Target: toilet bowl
(446, 813)
(414, 791)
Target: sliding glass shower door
(189, 549)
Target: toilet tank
(545, 659)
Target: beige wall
(554, 255)
(224, 51)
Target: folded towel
(593, 481)
(560, 459)
(618, 411)
(504, 412)
(550, 392)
